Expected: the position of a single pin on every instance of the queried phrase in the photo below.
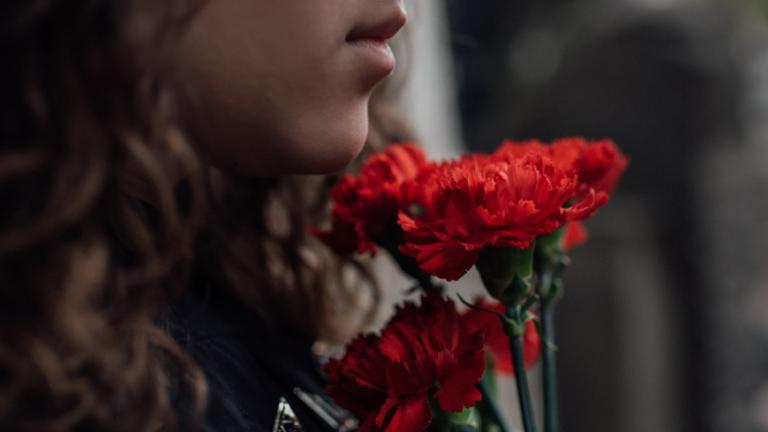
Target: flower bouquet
(512, 214)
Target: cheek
(266, 89)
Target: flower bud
(507, 273)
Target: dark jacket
(250, 367)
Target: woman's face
(282, 86)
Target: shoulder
(242, 395)
(256, 375)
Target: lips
(380, 27)
(370, 34)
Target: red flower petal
(363, 205)
(359, 379)
(412, 414)
(601, 165)
(445, 260)
(457, 389)
(575, 235)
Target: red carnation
(479, 202)
(498, 341)
(599, 164)
(425, 351)
(364, 204)
(359, 380)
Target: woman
(156, 271)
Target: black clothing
(250, 366)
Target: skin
(273, 87)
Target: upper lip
(380, 29)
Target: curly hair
(98, 236)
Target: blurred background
(663, 326)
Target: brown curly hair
(98, 236)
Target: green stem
(489, 408)
(550, 367)
(523, 391)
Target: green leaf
(468, 417)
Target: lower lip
(378, 51)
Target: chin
(331, 155)
(330, 147)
